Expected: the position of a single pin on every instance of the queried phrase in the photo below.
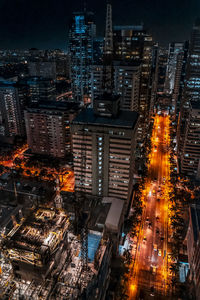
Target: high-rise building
(42, 68)
(192, 86)
(11, 110)
(81, 37)
(179, 80)
(126, 79)
(98, 50)
(193, 247)
(39, 89)
(190, 158)
(47, 127)
(173, 52)
(161, 70)
(104, 139)
(135, 43)
(127, 76)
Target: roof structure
(115, 213)
(125, 119)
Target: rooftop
(125, 119)
(108, 97)
(40, 231)
(55, 105)
(129, 27)
(114, 216)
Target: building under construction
(44, 259)
(31, 245)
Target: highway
(150, 272)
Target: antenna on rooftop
(107, 84)
(108, 47)
(84, 6)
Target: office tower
(135, 43)
(47, 127)
(193, 247)
(97, 78)
(98, 50)
(104, 139)
(153, 81)
(40, 89)
(179, 80)
(42, 68)
(126, 80)
(81, 37)
(190, 158)
(127, 77)
(192, 85)
(161, 70)
(62, 66)
(173, 52)
(11, 110)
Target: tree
(28, 172)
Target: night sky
(44, 23)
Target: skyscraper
(174, 50)
(81, 37)
(191, 89)
(179, 80)
(39, 89)
(126, 80)
(135, 43)
(190, 158)
(11, 110)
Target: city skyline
(19, 28)
(99, 150)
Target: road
(18, 154)
(150, 273)
(66, 177)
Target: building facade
(104, 139)
(39, 89)
(135, 43)
(11, 110)
(192, 85)
(126, 79)
(47, 127)
(193, 246)
(42, 68)
(179, 80)
(82, 33)
(190, 158)
(173, 52)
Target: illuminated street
(66, 175)
(149, 274)
(17, 154)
